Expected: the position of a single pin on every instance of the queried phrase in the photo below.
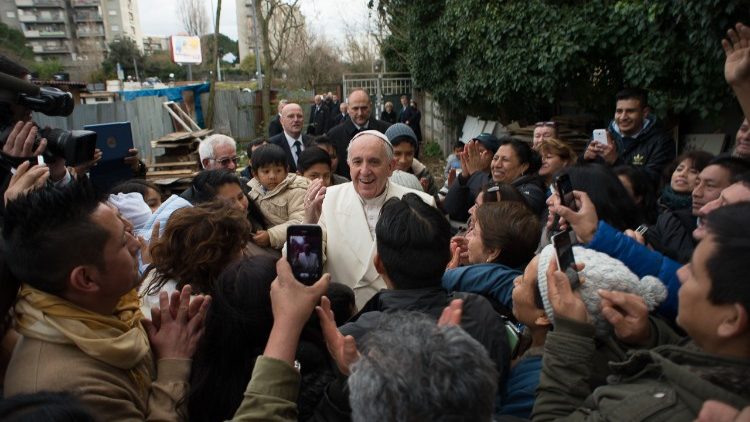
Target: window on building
(113, 13)
(115, 28)
(10, 15)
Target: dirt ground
(436, 166)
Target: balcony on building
(51, 49)
(90, 32)
(40, 3)
(87, 17)
(41, 17)
(85, 3)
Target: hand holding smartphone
(305, 252)
(565, 260)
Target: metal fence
(147, 118)
(382, 87)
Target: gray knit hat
(601, 272)
(400, 130)
(406, 180)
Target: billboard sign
(185, 49)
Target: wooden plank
(152, 174)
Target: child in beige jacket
(280, 195)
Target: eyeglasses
(548, 124)
(224, 162)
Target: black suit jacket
(319, 122)
(274, 128)
(343, 133)
(280, 140)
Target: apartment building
(76, 32)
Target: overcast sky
(325, 17)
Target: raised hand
(584, 222)
(342, 348)
(564, 301)
(737, 50)
(177, 324)
(452, 313)
(26, 179)
(316, 193)
(628, 315)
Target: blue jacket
(640, 260)
(491, 280)
(519, 393)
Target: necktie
(298, 149)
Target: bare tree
(279, 23)
(320, 64)
(192, 14)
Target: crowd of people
(434, 304)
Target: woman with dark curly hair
(196, 246)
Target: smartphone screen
(305, 252)
(565, 260)
(564, 189)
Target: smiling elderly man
(351, 211)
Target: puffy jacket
(673, 234)
(652, 149)
(491, 280)
(462, 193)
(282, 206)
(666, 383)
(642, 261)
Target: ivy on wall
(512, 57)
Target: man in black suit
(406, 111)
(341, 116)
(318, 117)
(359, 108)
(291, 139)
(274, 127)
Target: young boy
(315, 163)
(279, 194)
(252, 146)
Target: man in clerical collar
(351, 210)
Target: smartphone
(565, 260)
(600, 135)
(305, 252)
(564, 188)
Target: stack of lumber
(175, 169)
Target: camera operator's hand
(27, 178)
(20, 142)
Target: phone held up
(600, 136)
(564, 188)
(565, 260)
(305, 252)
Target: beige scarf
(118, 340)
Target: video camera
(76, 146)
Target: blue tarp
(172, 94)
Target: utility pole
(258, 70)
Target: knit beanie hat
(405, 179)
(400, 130)
(132, 207)
(601, 272)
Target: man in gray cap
(404, 142)
(475, 172)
